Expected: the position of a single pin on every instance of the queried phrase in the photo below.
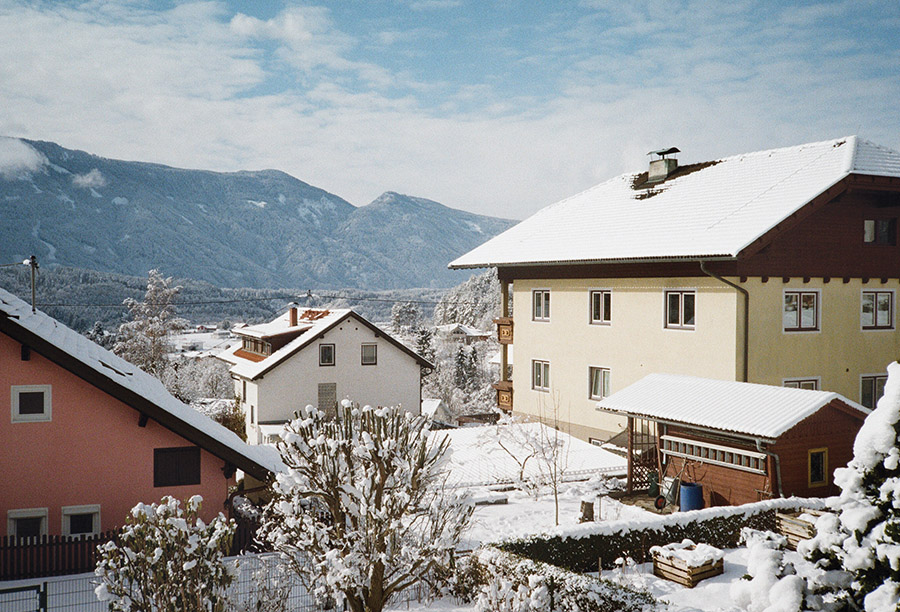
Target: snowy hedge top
(693, 555)
(717, 210)
(130, 377)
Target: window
(877, 310)
(540, 300)
(680, 309)
(601, 307)
(31, 403)
(599, 378)
(880, 231)
(540, 375)
(80, 520)
(801, 311)
(326, 354)
(871, 390)
(327, 397)
(596, 441)
(818, 467)
(26, 522)
(810, 384)
(173, 467)
(369, 354)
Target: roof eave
(609, 260)
(738, 434)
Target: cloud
(90, 180)
(19, 159)
(499, 117)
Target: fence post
(42, 597)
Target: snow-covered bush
(514, 584)
(859, 548)
(166, 559)
(360, 513)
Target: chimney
(293, 316)
(663, 166)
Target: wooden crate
(794, 528)
(677, 570)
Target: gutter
(777, 460)
(746, 331)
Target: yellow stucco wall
(635, 344)
(838, 354)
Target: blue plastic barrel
(691, 496)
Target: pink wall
(92, 452)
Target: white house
(319, 357)
(462, 333)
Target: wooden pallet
(795, 529)
(677, 570)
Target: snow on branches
(859, 547)
(361, 513)
(166, 559)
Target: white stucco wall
(394, 380)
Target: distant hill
(263, 229)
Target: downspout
(774, 456)
(746, 294)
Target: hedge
(586, 547)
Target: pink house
(89, 435)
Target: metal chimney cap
(664, 152)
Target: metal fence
(262, 585)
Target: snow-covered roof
(751, 409)
(309, 332)
(128, 383)
(715, 211)
(476, 458)
(430, 406)
(465, 329)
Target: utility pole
(32, 261)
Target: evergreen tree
(425, 343)
(859, 547)
(461, 369)
(144, 341)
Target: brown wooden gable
(822, 239)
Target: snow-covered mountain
(238, 229)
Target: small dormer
(661, 166)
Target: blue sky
(494, 107)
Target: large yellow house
(778, 267)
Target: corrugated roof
(716, 211)
(129, 377)
(757, 410)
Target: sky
(496, 107)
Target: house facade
(742, 442)
(777, 267)
(89, 435)
(319, 357)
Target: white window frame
(801, 329)
(681, 293)
(22, 513)
(544, 385)
(875, 326)
(544, 315)
(795, 382)
(68, 511)
(605, 316)
(362, 354)
(591, 370)
(323, 362)
(16, 417)
(874, 377)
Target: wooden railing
(49, 555)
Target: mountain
(261, 229)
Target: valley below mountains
(260, 229)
